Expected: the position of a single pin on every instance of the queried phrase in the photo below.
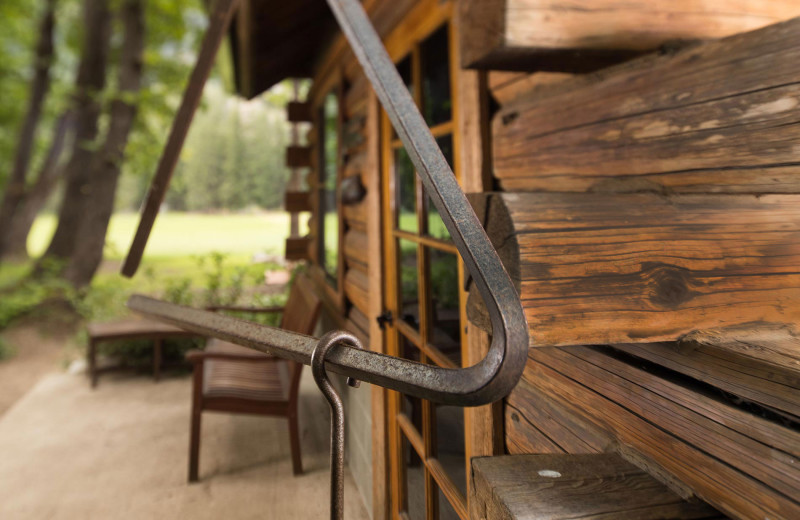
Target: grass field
(185, 234)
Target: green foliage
(234, 157)
(29, 294)
(6, 350)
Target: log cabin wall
(353, 301)
(650, 216)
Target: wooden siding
(692, 439)
(581, 35)
(720, 117)
(613, 268)
(654, 208)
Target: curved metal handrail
(489, 380)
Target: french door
(423, 293)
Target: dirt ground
(120, 451)
(35, 355)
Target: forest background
(231, 167)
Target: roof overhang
(272, 40)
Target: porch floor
(121, 452)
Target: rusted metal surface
(324, 346)
(494, 376)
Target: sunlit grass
(185, 234)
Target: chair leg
(294, 438)
(92, 354)
(197, 413)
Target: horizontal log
(356, 215)
(639, 268)
(540, 423)
(358, 324)
(298, 248)
(561, 487)
(776, 348)
(657, 424)
(508, 86)
(581, 35)
(299, 112)
(297, 201)
(299, 156)
(719, 117)
(771, 387)
(355, 248)
(356, 288)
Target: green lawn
(194, 259)
(186, 234)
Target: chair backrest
(300, 315)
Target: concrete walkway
(67, 452)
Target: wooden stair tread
(133, 328)
(244, 379)
(560, 486)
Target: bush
(6, 351)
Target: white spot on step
(549, 473)
(773, 107)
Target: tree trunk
(89, 84)
(15, 188)
(107, 164)
(36, 196)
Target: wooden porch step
(555, 487)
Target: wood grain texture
(356, 288)
(774, 387)
(719, 117)
(675, 433)
(638, 268)
(355, 249)
(580, 35)
(561, 487)
(776, 347)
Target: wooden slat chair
(234, 379)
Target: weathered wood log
(299, 156)
(719, 117)
(774, 387)
(297, 201)
(561, 487)
(639, 268)
(778, 348)
(738, 462)
(355, 248)
(299, 112)
(543, 423)
(298, 248)
(356, 288)
(508, 86)
(581, 35)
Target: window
(428, 450)
(328, 222)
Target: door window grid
(428, 329)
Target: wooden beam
(299, 156)
(584, 35)
(695, 442)
(720, 117)
(636, 268)
(297, 201)
(218, 28)
(297, 248)
(299, 112)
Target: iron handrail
(489, 380)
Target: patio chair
(234, 379)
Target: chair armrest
(215, 308)
(199, 356)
